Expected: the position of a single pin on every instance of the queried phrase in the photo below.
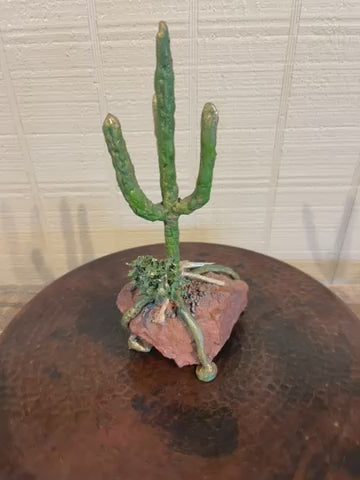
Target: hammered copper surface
(76, 404)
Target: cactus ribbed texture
(171, 206)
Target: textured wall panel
(285, 77)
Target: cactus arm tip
(110, 121)
(163, 28)
(210, 113)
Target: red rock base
(215, 308)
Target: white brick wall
(285, 76)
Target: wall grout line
(193, 89)
(21, 135)
(346, 220)
(103, 104)
(282, 118)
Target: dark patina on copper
(75, 403)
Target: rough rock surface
(216, 309)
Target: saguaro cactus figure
(171, 207)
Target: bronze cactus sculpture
(168, 285)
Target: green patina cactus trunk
(171, 207)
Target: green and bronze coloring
(161, 281)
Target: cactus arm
(125, 173)
(201, 194)
(163, 110)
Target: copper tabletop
(76, 404)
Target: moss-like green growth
(157, 279)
